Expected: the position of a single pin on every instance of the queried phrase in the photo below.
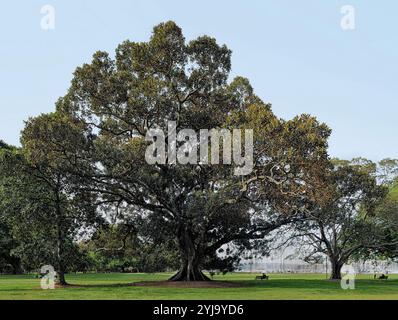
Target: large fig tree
(203, 207)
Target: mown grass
(280, 287)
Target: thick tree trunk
(336, 270)
(16, 266)
(189, 272)
(60, 280)
(61, 268)
(191, 259)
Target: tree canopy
(202, 206)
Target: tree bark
(336, 270)
(191, 259)
(189, 272)
(16, 266)
(61, 267)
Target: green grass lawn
(280, 286)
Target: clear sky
(294, 52)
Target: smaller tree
(386, 218)
(44, 202)
(344, 226)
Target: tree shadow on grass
(167, 284)
(361, 284)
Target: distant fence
(302, 267)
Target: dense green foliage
(119, 248)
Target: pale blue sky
(294, 52)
